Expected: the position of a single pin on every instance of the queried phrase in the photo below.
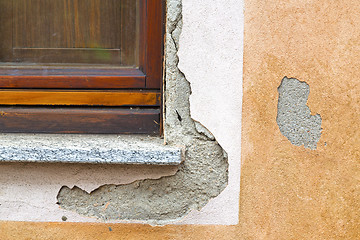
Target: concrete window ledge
(77, 148)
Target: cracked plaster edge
(174, 35)
(94, 219)
(94, 188)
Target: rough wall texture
(294, 117)
(202, 176)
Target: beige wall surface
(287, 192)
(213, 32)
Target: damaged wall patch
(294, 117)
(203, 174)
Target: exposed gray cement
(294, 117)
(76, 148)
(202, 175)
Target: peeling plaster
(294, 117)
(202, 176)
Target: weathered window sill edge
(78, 148)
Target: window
(81, 66)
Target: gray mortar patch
(294, 117)
(202, 176)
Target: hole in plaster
(294, 117)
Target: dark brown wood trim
(154, 35)
(150, 60)
(79, 98)
(43, 119)
(67, 70)
(80, 120)
(77, 82)
(71, 78)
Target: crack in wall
(202, 176)
(294, 117)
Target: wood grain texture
(71, 78)
(68, 55)
(82, 84)
(6, 13)
(77, 98)
(154, 41)
(77, 120)
(148, 33)
(129, 34)
(73, 31)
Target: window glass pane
(69, 32)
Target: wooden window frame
(73, 100)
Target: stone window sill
(77, 148)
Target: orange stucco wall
(287, 192)
(290, 192)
